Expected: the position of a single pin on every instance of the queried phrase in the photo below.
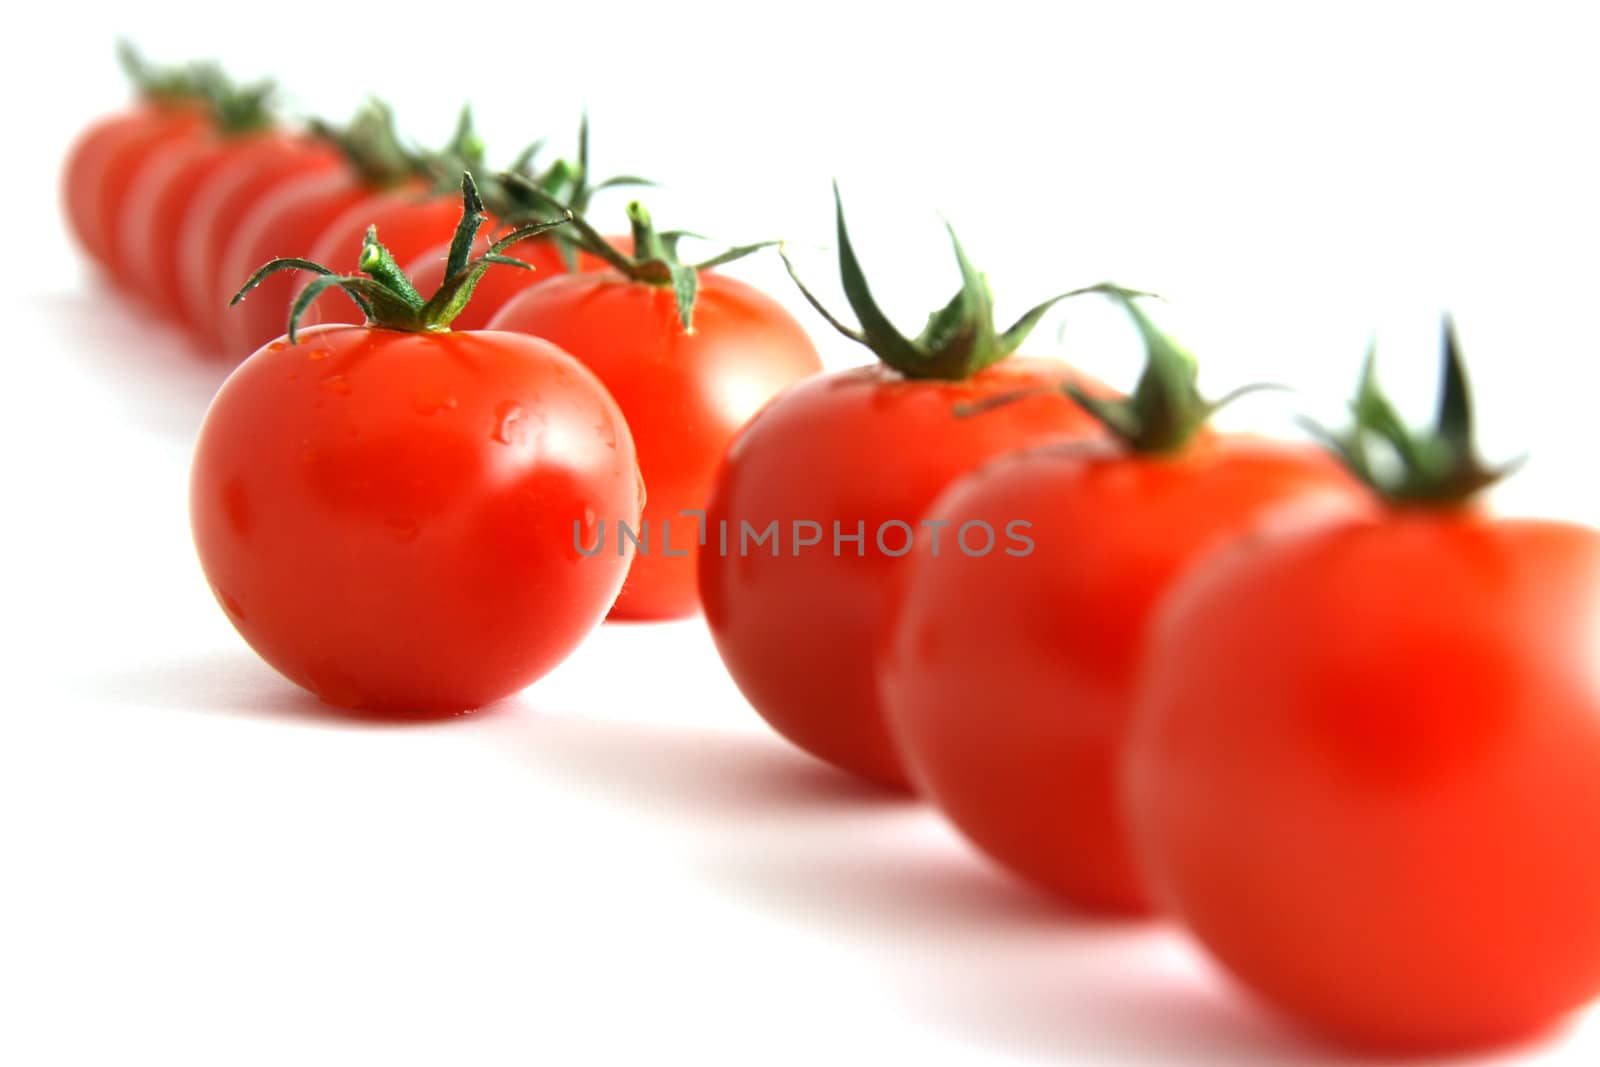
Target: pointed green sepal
(654, 259)
(959, 340)
(372, 147)
(386, 296)
(1438, 465)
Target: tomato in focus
(409, 222)
(389, 518)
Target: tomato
(99, 169)
(1364, 769)
(500, 284)
(1390, 729)
(286, 220)
(392, 515)
(173, 105)
(814, 503)
(159, 196)
(215, 212)
(409, 222)
(853, 452)
(388, 517)
(1008, 677)
(685, 394)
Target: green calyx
(172, 84)
(386, 296)
(464, 153)
(655, 259)
(564, 183)
(372, 147)
(1166, 408)
(1439, 465)
(960, 338)
(234, 109)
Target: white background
(621, 866)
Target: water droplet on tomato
(508, 424)
(337, 384)
(276, 346)
(318, 353)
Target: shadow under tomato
(150, 364)
(965, 948)
(237, 682)
(695, 775)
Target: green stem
(386, 296)
(1437, 466)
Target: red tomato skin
(388, 518)
(859, 446)
(285, 222)
(409, 222)
(499, 283)
(1365, 771)
(219, 206)
(1008, 679)
(84, 171)
(158, 197)
(685, 396)
(96, 175)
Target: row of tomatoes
(1314, 703)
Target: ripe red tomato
(814, 503)
(1365, 764)
(219, 205)
(500, 284)
(1008, 678)
(685, 394)
(159, 196)
(1390, 730)
(100, 167)
(856, 450)
(392, 515)
(410, 221)
(174, 103)
(388, 517)
(285, 221)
